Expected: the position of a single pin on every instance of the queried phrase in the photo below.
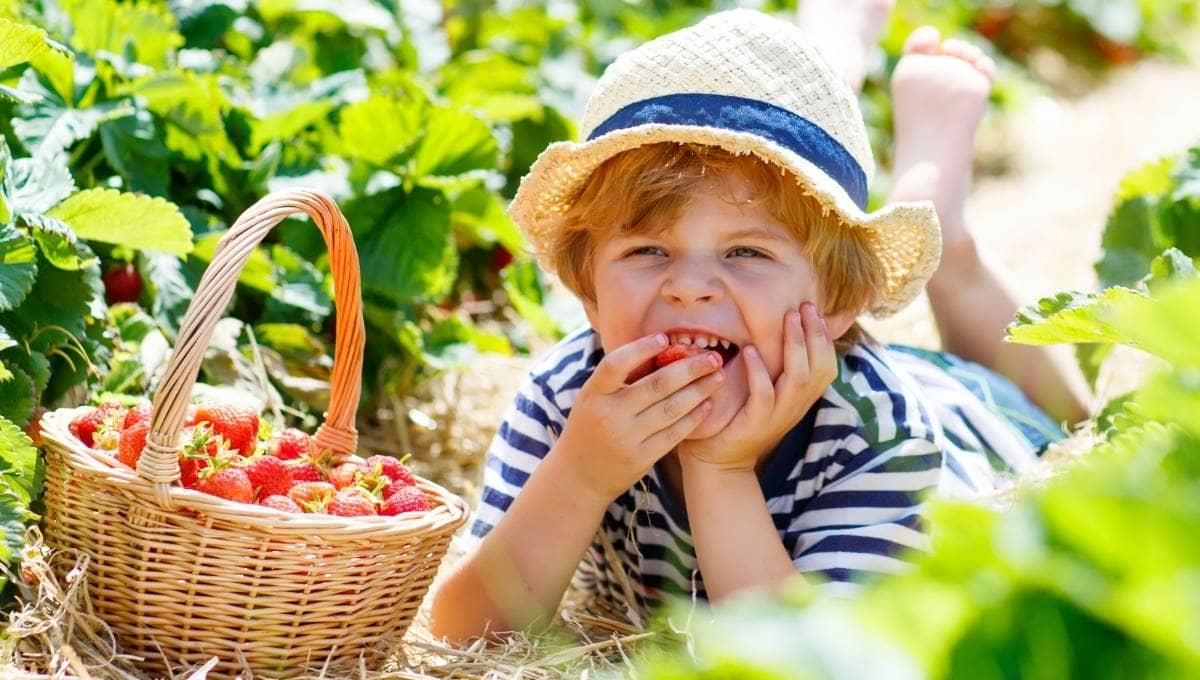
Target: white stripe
(896, 533)
(852, 517)
(854, 561)
(889, 481)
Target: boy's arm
(520, 570)
(736, 542)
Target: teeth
(684, 339)
(725, 343)
(701, 341)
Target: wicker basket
(183, 576)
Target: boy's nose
(689, 284)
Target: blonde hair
(645, 188)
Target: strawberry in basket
(103, 420)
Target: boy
(718, 208)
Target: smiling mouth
(726, 348)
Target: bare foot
(845, 31)
(939, 91)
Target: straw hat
(748, 83)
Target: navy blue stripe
(480, 528)
(840, 500)
(739, 114)
(496, 499)
(855, 544)
(522, 442)
(839, 575)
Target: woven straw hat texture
(746, 55)
(182, 576)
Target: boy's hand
(617, 431)
(771, 410)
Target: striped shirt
(846, 487)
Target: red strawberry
(392, 468)
(281, 503)
(228, 483)
(190, 469)
(500, 258)
(292, 443)
(346, 474)
(268, 475)
(84, 426)
(675, 353)
(408, 499)
(122, 283)
(351, 502)
(137, 414)
(133, 440)
(304, 471)
(238, 425)
(312, 496)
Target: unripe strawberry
(229, 483)
(351, 502)
(281, 503)
(238, 425)
(408, 499)
(292, 443)
(133, 440)
(268, 475)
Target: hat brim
(905, 237)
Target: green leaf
(190, 107)
(37, 184)
(133, 221)
(134, 148)
(1072, 317)
(1129, 243)
(379, 129)
(482, 213)
(454, 341)
(18, 266)
(6, 211)
(1151, 179)
(299, 286)
(455, 142)
(19, 483)
(20, 43)
(292, 341)
(55, 313)
(57, 242)
(285, 125)
(144, 30)
(51, 125)
(1172, 265)
(407, 251)
(1166, 325)
(524, 290)
(171, 285)
(1091, 358)
(18, 395)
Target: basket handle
(159, 463)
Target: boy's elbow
(457, 613)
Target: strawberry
(229, 483)
(346, 474)
(122, 283)
(312, 496)
(281, 503)
(392, 468)
(190, 469)
(351, 502)
(292, 443)
(268, 475)
(675, 353)
(408, 499)
(133, 440)
(238, 425)
(137, 414)
(199, 450)
(84, 426)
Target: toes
(924, 40)
(960, 49)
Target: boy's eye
(745, 251)
(647, 250)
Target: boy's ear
(840, 322)
(589, 308)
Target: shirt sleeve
(530, 427)
(877, 473)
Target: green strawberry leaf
(20, 43)
(18, 394)
(18, 266)
(20, 482)
(407, 248)
(39, 183)
(292, 341)
(525, 293)
(134, 147)
(1072, 317)
(379, 129)
(6, 211)
(130, 220)
(189, 107)
(145, 30)
(57, 242)
(51, 125)
(455, 142)
(481, 213)
(171, 285)
(1160, 325)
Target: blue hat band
(739, 114)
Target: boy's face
(723, 270)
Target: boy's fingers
(762, 391)
(668, 438)
(822, 358)
(679, 404)
(615, 369)
(795, 350)
(672, 378)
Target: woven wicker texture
(182, 576)
(741, 53)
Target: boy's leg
(939, 91)
(845, 31)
